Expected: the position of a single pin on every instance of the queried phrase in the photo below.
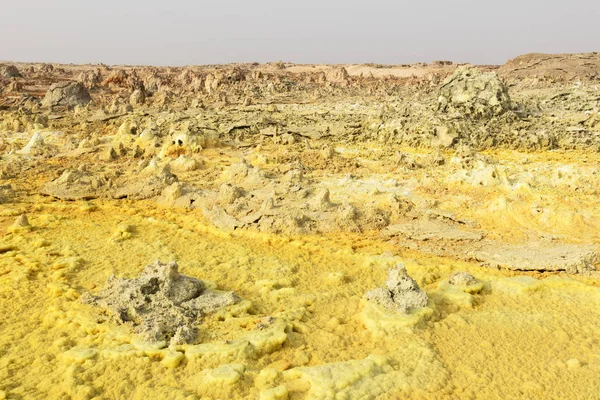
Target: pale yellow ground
(522, 337)
(525, 335)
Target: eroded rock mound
(461, 278)
(337, 75)
(161, 304)
(401, 293)
(68, 94)
(9, 71)
(280, 203)
(137, 98)
(473, 93)
(153, 184)
(77, 184)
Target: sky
(192, 32)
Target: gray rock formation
(161, 304)
(68, 94)
(401, 293)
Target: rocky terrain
(285, 194)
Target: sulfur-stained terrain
(283, 231)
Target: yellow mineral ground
(522, 222)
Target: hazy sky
(182, 32)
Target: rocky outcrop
(474, 94)
(160, 304)
(9, 71)
(401, 293)
(68, 94)
(552, 67)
